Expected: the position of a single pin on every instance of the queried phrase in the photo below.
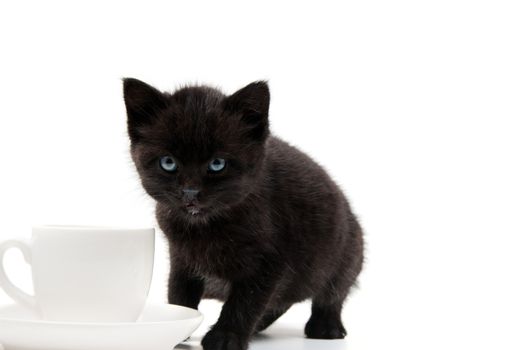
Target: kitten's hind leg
(325, 321)
(270, 317)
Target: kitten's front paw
(222, 340)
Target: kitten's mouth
(193, 209)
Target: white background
(417, 108)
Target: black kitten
(250, 220)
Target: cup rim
(92, 228)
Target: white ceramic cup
(85, 274)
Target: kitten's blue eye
(217, 165)
(168, 164)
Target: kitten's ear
(142, 103)
(253, 102)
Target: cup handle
(9, 288)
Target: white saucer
(161, 327)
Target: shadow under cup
(86, 274)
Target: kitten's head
(197, 150)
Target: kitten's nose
(190, 195)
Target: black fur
(270, 230)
